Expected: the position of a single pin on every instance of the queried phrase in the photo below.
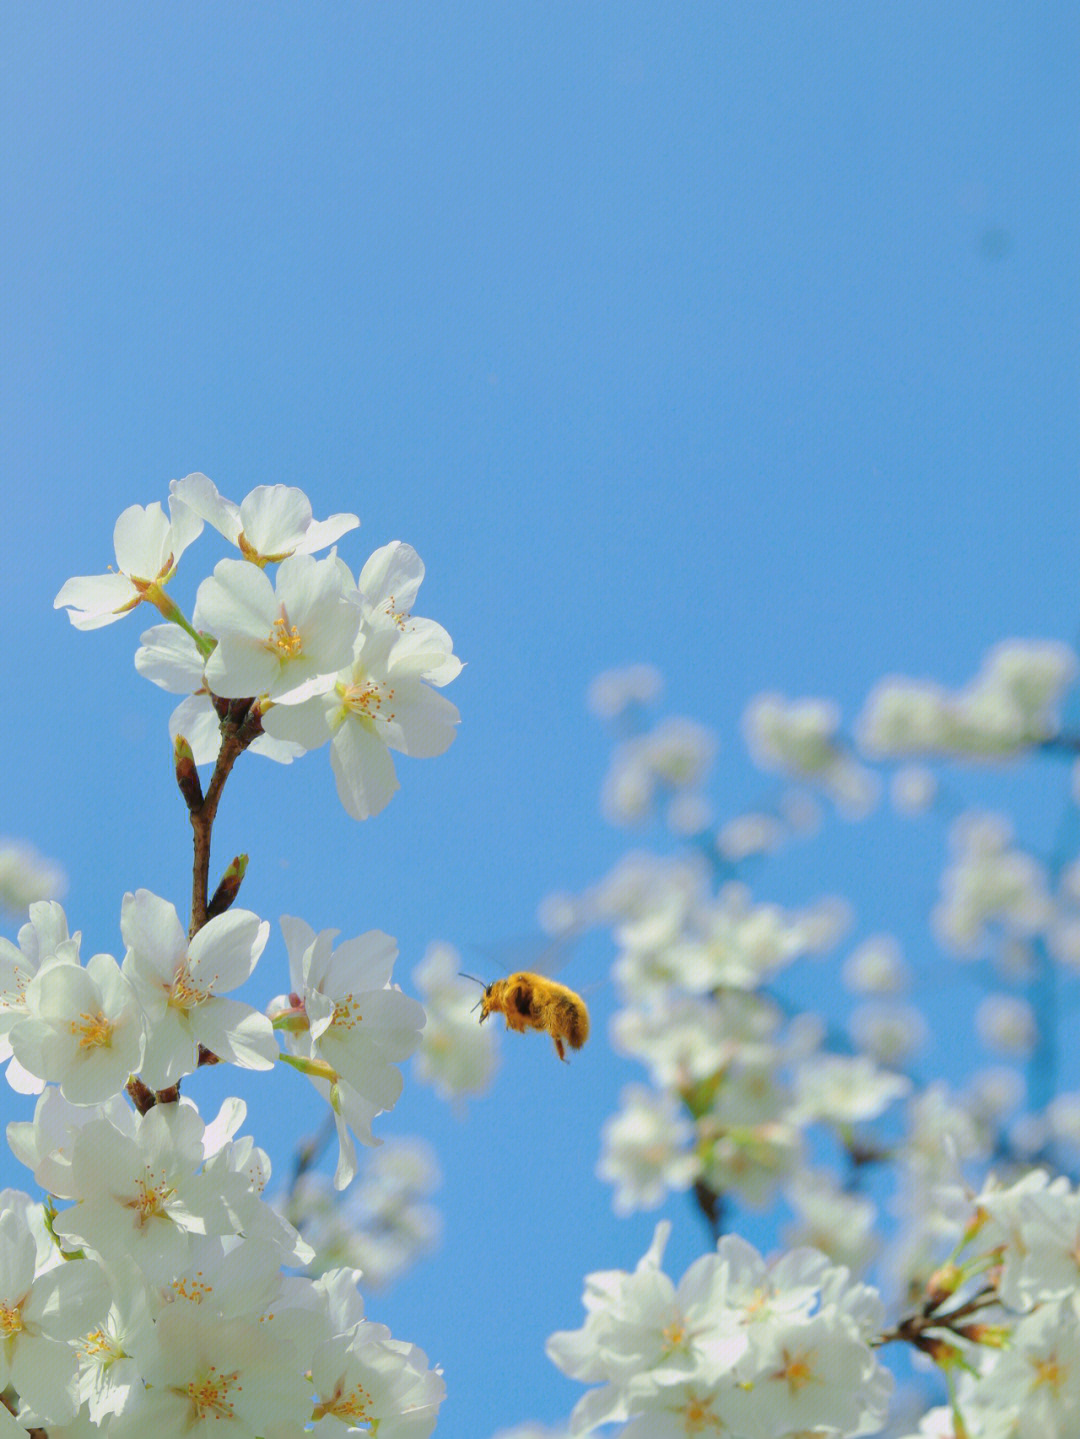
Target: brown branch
(915, 1328)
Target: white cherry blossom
(383, 698)
(344, 1015)
(179, 983)
(286, 641)
(271, 523)
(83, 1029)
(148, 549)
(38, 1315)
(141, 1194)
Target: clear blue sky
(740, 338)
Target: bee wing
(538, 953)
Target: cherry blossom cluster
(733, 1085)
(160, 1208)
(147, 1295)
(738, 1347)
(328, 658)
(1002, 1316)
(1012, 704)
(742, 1086)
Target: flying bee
(532, 1001)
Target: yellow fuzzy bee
(532, 1001)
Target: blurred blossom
(799, 738)
(1063, 940)
(646, 1150)
(750, 1160)
(457, 1054)
(676, 755)
(688, 814)
(889, 1033)
(1063, 1118)
(913, 789)
(942, 1132)
(626, 796)
(637, 884)
(680, 752)
(823, 924)
(993, 1093)
(27, 876)
(876, 966)
(558, 914)
(1028, 1135)
(701, 946)
(794, 736)
(685, 1041)
(839, 1223)
(1006, 1023)
(1013, 702)
(614, 691)
(845, 1089)
(383, 1225)
(749, 834)
(989, 886)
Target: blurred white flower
(26, 877)
(1006, 1023)
(876, 966)
(613, 691)
(832, 1219)
(888, 1032)
(913, 790)
(990, 888)
(646, 1150)
(457, 1054)
(845, 1089)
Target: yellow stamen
(285, 641)
(209, 1394)
(94, 1031)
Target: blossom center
(795, 1371)
(699, 1416)
(149, 1199)
(99, 1345)
(399, 617)
(346, 1013)
(673, 1335)
(284, 640)
(194, 1289)
(10, 1319)
(1048, 1372)
(365, 698)
(185, 993)
(352, 1404)
(209, 1394)
(94, 1031)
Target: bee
(532, 1001)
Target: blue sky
(737, 338)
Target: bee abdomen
(575, 1022)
